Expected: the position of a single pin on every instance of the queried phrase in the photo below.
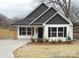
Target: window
(22, 31)
(60, 32)
(32, 31)
(49, 31)
(53, 32)
(29, 31)
(65, 31)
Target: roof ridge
(40, 15)
(43, 14)
(35, 9)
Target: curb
(11, 53)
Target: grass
(48, 50)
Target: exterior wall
(69, 32)
(45, 32)
(35, 36)
(22, 36)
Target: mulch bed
(50, 43)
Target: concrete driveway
(6, 46)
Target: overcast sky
(16, 8)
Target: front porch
(30, 32)
(45, 33)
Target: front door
(40, 32)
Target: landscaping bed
(48, 50)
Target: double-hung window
(52, 31)
(29, 31)
(57, 31)
(60, 32)
(22, 31)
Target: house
(44, 23)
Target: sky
(18, 8)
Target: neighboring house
(44, 23)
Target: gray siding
(57, 19)
(45, 16)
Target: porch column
(35, 34)
(32, 32)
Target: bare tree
(74, 14)
(64, 4)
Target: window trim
(57, 32)
(21, 31)
(50, 32)
(29, 31)
(53, 32)
(61, 32)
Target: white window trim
(28, 31)
(56, 32)
(61, 32)
(21, 32)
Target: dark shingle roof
(37, 12)
(23, 22)
(45, 16)
(57, 19)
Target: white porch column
(71, 32)
(35, 34)
(45, 33)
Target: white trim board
(65, 18)
(61, 16)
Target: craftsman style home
(44, 23)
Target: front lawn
(48, 50)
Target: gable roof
(44, 15)
(32, 16)
(57, 19)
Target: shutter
(49, 32)
(65, 31)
